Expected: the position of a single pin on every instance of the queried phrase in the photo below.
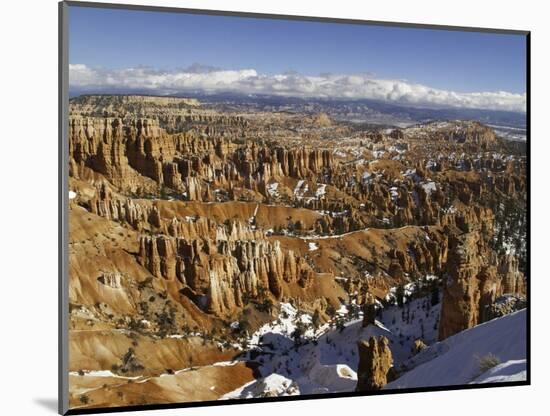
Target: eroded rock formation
(475, 278)
(194, 219)
(375, 364)
(219, 273)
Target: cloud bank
(248, 81)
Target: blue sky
(462, 62)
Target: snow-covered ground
(512, 370)
(418, 319)
(296, 358)
(272, 385)
(325, 359)
(459, 359)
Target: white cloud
(249, 81)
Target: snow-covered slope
(513, 370)
(459, 359)
(270, 386)
(325, 359)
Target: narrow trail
(327, 237)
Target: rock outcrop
(375, 364)
(419, 345)
(369, 311)
(475, 278)
(505, 305)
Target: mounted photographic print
(264, 207)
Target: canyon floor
(221, 251)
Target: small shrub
(487, 362)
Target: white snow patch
(301, 189)
(225, 363)
(313, 246)
(272, 189)
(321, 191)
(270, 386)
(429, 187)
